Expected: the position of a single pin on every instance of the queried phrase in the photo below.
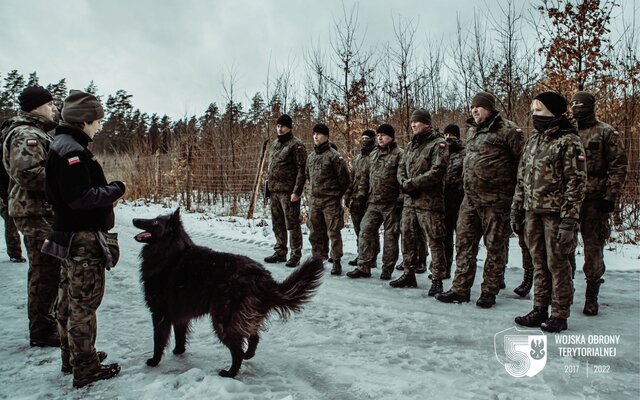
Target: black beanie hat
(81, 107)
(554, 101)
(386, 129)
(285, 120)
(421, 115)
(321, 128)
(33, 97)
(452, 129)
(585, 98)
(369, 133)
(485, 100)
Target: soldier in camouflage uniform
(358, 206)
(83, 202)
(24, 151)
(421, 176)
(328, 177)
(606, 173)
(11, 235)
(493, 149)
(379, 185)
(285, 182)
(453, 189)
(550, 190)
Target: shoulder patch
(616, 133)
(32, 142)
(73, 160)
(581, 157)
(442, 145)
(519, 130)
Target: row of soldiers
(567, 177)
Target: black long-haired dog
(183, 281)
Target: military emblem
(521, 352)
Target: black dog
(183, 281)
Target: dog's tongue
(142, 236)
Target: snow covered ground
(354, 340)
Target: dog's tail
(298, 288)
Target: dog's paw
(249, 356)
(179, 350)
(226, 374)
(152, 362)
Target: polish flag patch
(73, 160)
(442, 145)
(581, 157)
(32, 142)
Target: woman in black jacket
(83, 204)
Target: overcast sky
(173, 55)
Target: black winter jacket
(76, 186)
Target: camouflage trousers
(552, 283)
(82, 283)
(357, 211)
(527, 263)
(326, 220)
(474, 223)
(417, 224)
(368, 247)
(451, 212)
(11, 235)
(285, 217)
(43, 276)
(595, 230)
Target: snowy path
(355, 340)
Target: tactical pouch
(110, 247)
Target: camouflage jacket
(287, 158)
(380, 178)
(24, 152)
(422, 169)
(453, 180)
(493, 152)
(552, 173)
(327, 172)
(357, 167)
(606, 161)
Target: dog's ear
(176, 213)
(175, 217)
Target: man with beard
(328, 177)
(421, 176)
(493, 149)
(379, 184)
(606, 173)
(358, 206)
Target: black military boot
(591, 297)
(66, 364)
(337, 268)
(486, 300)
(386, 275)
(358, 273)
(407, 279)
(535, 317)
(354, 262)
(17, 259)
(275, 258)
(554, 325)
(292, 263)
(525, 287)
(46, 340)
(452, 297)
(400, 267)
(436, 287)
(421, 269)
(84, 378)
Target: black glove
(567, 231)
(605, 206)
(408, 188)
(517, 221)
(120, 185)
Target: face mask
(542, 123)
(581, 112)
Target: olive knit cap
(80, 106)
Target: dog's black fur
(183, 281)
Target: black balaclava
(585, 114)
